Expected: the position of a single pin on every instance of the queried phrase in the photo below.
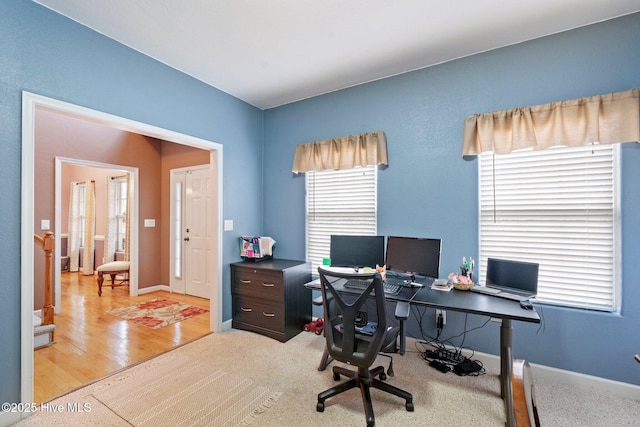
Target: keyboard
(361, 284)
(513, 295)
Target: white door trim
(31, 102)
(133, 248)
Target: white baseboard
(576, 379)
(150, 289)
(226, 325)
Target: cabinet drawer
(258, 283)
(259, 313)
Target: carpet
(187, 393)
(157, 313)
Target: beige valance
(607, 119)
(365, 149)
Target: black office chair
(390, 344)
(356, 330)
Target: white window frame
(339, 202)
(526, 184)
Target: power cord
(444, 356)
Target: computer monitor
(414, 255)
(512, 274)
(356, 251)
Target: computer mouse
(526, 304)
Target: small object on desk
(485, 290)
(461, 282)
(442, 285)
(526, 304)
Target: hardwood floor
(90, 343)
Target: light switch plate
(228, 225)
(45, 224)
(149, 222)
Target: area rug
(157, 313)
(187, 392)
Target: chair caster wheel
(336, 377)
(383, 377)
(409, 406)
(320, 407)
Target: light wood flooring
(90, 343)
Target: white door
(191, 231)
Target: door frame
(178, 285)
(133, 247)
(30, 103)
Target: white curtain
(89, 228)
(111, 232)
(73, 241)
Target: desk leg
(506, 368)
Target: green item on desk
(326, 261)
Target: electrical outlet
(441, 318)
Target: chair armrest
(402, 310)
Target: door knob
(186, 239)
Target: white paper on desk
(442, 285)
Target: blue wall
(47, 54)
(429, 190)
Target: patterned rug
(157, 313)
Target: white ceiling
(272, 52)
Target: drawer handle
(268, 314)
(268, 285)
(245, 281)
(246, 309)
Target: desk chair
(388, 346)
(355, 331)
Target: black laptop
(516, 280)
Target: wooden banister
(48, 244)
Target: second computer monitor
(414, 255)
(513, 274)
(357, 251)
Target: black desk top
(463, 301)
(468, 302)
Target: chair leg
(408, 397)
(347, 385)
(326, 359)
(364, 380)
(100, 280)
(368, 404)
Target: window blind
(557, 207)
(339, 202)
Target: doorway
(65, 164)
(190, 231)
(30, 104)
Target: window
(121, 214)
(177, 227)
(339, 202)
(557, 207)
